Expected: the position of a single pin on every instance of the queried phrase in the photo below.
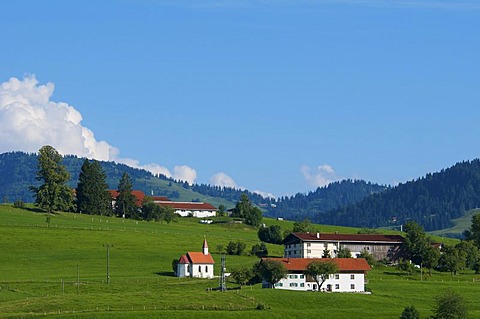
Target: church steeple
(205, 247)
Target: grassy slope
(35, 258)
(186, 195)
(460, 225)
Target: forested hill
(323, 199)
(433, 201)
(18, 171)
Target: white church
(196, 264)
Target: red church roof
(200, 258)
(344, 264)
(183, 260)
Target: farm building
(312, 245)
(350, 277)
(184, 209)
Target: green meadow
(59, 270)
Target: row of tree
(91, 195)
(420, 250)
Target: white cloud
(185, 173)
(320, 176)
(223, 180)
(30, 120)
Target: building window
(293, 284)
(352, 276)
(337, 286)
(337, 276)
(199, 268)
(206, 268)
(279, 284)
(293, 276)
(302, 284)
(308, 244)
(309, 251)
(302, 276)
(352, 286)
(188, 268)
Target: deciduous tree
(246, 210)
(449, 305)
(53, 194)
(410, 313)
(272, 271)
(321, 270)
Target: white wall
(196, 213)
(338, 282)
(309, 250)
(202, 270)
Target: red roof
(188, 205)
(344, 264)
(200, 258)
(139, 195)
(183, 260)
(372, 238)
(160, 199)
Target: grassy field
(59, 271)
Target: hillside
(59, 272)
(323, 199)
(433, 201)
(18, 170)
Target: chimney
(318, 235)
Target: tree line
(92, 195)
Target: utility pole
(223, 286)
(108, 261)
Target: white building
(196, 264)
(194, 209)
(313, 245)
(350, 277)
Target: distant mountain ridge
(433, 200)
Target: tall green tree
(320, 271)
(125, 203)
(473, 233)
(92, 190)
(246, 210)
(452, 260)
(53, 194)
(416, 242)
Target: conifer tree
(125, 202)
(92, 190)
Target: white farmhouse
(196, 264)
(312, 245)
(350, 277)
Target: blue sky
(274, 96)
